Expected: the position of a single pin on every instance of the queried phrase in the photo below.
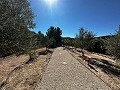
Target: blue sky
(100, 16)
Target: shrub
(113, 45)
(84, 39)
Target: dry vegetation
(16, 74)
(107, 69)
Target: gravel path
(65, 73)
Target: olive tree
(16, 18)
(84, 39)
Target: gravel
(65, 73)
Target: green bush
(113, 45)
(51, 43)
(84, 39)
(33, 55)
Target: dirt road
(65, 73)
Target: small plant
(33, 55)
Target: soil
(16, 74)
(64, 72)
(107, 69)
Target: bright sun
(50, 2)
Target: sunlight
(51, 2)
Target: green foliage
(54, 35)
(41, 39)
(68, 41)
(16, 18)
(16, 14)
(58, 37)
(33, 55)
(98, 45)
(84, 39)
(51, 42)
(51, 32)
(113, 45)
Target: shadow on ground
(105, 66)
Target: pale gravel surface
(70, 76)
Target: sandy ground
(27, 76)
(24, 77)
(109, 78)
(64, 72)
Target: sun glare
(51, 2)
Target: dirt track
(65, 73)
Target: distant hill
(104, 37)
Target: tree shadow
(44, 52)
(105, 66)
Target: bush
(51, 43)
(98, 46)
(84, 39)
(113, 46)
(33, 55)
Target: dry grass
(7, 64)
(25, 76)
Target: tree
(66, 41)
(51, 32)
(58, 37)
(16, 18)
(41, 39)
(54, 34)
(84, 39)
(98, 45)
(51, 43)
(113, 44)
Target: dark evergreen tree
(54, 35)
(58, 37)
(51, 32)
